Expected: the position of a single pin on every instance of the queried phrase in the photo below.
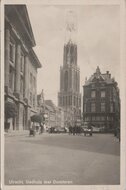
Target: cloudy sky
(98, 41)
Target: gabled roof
(98, 76)
(49, 108)
(50, 103)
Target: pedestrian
(70, 130)
(32, 129)
(41, 128)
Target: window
(102, 94)
(31, 80)
(102, 118)
(98, 118)
(108, 118)
(84, 107)
(63, 101)
(60, 101)
(93, 94)
(66, 81)
(111, 107)
(93, 107)
(66, 100)
(34, 82)
(30, 98)
(93, 118)
(74, 101)
(33, 100)
(93, 85)
(22, 63)
(12, 52)
(21, 85)
(102, 106)
(11, 78)
(87, 119)
(69, 100)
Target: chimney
(109, 75)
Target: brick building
(101, 102)
(21, 65)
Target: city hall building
(21, 64)
(101, 102)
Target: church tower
(69, 97)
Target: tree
(36, 118)
(10, 110)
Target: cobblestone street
(54, 158)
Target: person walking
(41, 128)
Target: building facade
(101, 102)
(21, 64)
(53, 115)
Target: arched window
(66, 80)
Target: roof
(98, 76)
(18, 16)
(51, 104)
(35, 58)
(49, 108)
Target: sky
(97, 38)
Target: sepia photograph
(62, 100)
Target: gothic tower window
(66, 80)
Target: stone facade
(54, 116)
(69, 97)
(101, 102)
(21, 65)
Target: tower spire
(71, 26)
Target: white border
(122, 4)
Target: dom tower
(69, 97)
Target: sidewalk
(19, 133)
(16, 133)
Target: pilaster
(7, 54)
(18, 62)
(26, 77)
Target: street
(62, 159)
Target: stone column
(18, 62)
(7, 57)
(26, 77)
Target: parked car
(52, 130)
(87, 130)
(96, 129)
(61, 130)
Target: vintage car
(61, 130)
(87, 130)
